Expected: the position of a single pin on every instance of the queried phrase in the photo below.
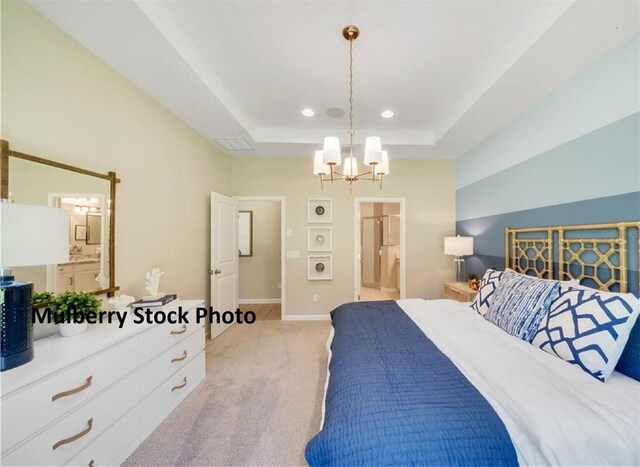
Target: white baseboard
(389, 290)
(306, 318)
(259, 301)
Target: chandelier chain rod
(351, 101)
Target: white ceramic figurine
(152, 283)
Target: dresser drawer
(171, 392)
(159, 338)
(70, 387)
(76, 431)
(172, 360)
(104, 450)
(65, 269)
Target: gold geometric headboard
(595, 254)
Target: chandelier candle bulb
(373, 150)
(331, 151)
(383, 167)
(319, 167)
(350, 168)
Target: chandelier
(329, 158)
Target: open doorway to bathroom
(379, 249)
(260, 265)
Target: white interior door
(224, 257)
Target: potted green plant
(40, 298)
(67, 305)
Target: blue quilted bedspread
(395, 399)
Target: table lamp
(29, 236)
(458, 247)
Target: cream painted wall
(260, 273)
(428, 187)
(61, 102)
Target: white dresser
(92, 399)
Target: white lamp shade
(373, 150)
(350, 167)
(458, 246)
(331, 150)
(383, 168)
(33, 235)
(319, 167)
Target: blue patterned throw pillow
(588, 328)
(488, 286)
(520, 302)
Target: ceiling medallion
(326, 160)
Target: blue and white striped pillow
(482, 301)
(520, 302)
(588, 328)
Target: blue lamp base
(16, 325)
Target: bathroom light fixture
(308, 112)
(330, 157)
(387, 114)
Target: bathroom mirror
(245, 233)
(90, 199)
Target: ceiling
(453, 72)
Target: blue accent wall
(488, 232)
(588, 171)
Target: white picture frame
(317, 273)
(319, 210)
(319, 239)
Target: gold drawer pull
(184, 329)
(92, 463)
(75, 437)
(179, 359)
(180, 386)
(70, 392)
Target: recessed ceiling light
(387, 114)
(308, 112)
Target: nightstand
(459, 291)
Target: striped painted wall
(572, 159)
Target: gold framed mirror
(245, 233)
(90, 198)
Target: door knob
(216, 272)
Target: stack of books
(154, 302)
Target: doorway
(260, 250)
(380, 246)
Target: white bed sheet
(554, 412)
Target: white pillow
(588, 328)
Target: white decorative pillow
(488, 286)
(588, 328)
(520, 302)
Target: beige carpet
(258, 405)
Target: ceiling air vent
(234, 144)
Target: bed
(431, 382)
